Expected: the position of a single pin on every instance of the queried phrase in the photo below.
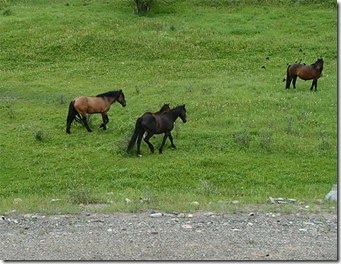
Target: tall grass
(247, 137)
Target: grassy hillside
(247, 138)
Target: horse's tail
(70, 116)
(288, 79)
(73, 114)
(138, 129)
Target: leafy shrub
(242, 139)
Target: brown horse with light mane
(101, 103)
(305, 72)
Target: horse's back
(90, 105)
(148, 121)
(308, 73)
(305, 72)
(156, 123)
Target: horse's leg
(139, 139)
(69, 120)
(289, 79)
(171, 140)
(163, 141)
(146, 139)
(86, 123)
(294, 81)
(105, 119)
(287, 86)
(314, 83)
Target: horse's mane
(177, 108)
(110, 94)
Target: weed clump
(266, 141)
(40, 135)
(7, 12)
(242, 139)
(82, 196)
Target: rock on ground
(332, 195)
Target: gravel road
(161, 236)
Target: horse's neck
(111, 100)
(315, 66)
(175, 113)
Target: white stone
(332, 195)
(155, 215)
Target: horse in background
(101, 103)
(305, 72)
(163, 109)
(156, 124)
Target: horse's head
(319, 65)
(182, 114)
(121, 98)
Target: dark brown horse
(164, 108)
(156, 124)
(83, 105)
(305, 72)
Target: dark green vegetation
(247, 138)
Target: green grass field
(247, 138)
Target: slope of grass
(247, 137)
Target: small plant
(119, 147)
(242, 139)
(266, 141)
(10, 111)
(207, 188)
(39, 135)
(82, 196)
(289, 125)
(324, 145)
(137, 90)
(7, 11)
(62, 99)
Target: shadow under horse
(156, 124)
(101, 103)
(305, 72)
